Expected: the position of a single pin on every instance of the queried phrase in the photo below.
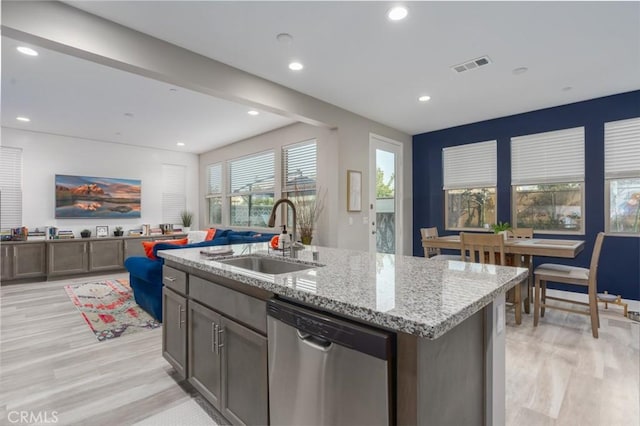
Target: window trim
(550, 231)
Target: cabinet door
(68, 257)
(174, 330)
(133, 247)
(29, 260)
(203, 352)
(105, 255)
(245, 397)
(6, 269)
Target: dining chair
(489, 248)
(434, 252)
(570, 275)
(526, 261)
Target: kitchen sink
(266, 265)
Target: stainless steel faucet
(272, 218)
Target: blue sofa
(145, 275)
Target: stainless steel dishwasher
(324, 370)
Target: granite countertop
(411, 294)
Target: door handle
(170, 279)
(314, 341)
(214, 339)
(220, 336)
(180, 311)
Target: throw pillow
(196, 236)
(148, 246)
(211, 233)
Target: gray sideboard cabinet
(105, 255)
(68, 257)
(23, 260)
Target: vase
(306, 239)
(186, 229)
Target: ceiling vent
(472, 64)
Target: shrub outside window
(549, 207)
(470, 208)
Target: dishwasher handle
(314, 341)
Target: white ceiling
(357, 59)
(68, 96)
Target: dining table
(524, 248)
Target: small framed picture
(102, 231)
(354, 191)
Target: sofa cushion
(149, 246)
(144, 268)
(196, 236)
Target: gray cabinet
(23, 260)
(29, 260)
(245, 389)
(6, 268)
(105, 255)
(174, 330)
(68, 257)
(204, 352)
(133, 247)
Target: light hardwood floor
(557, 374)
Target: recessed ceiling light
(25, 119)
(180, 144)
(27, 51)
(424, 98)
(520, 70)
(295, 66)
(397, 13)
(253, 112)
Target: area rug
(109, 309)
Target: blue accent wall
(619, 270)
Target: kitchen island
(447, 316)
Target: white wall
(46, 155)
(325, 234)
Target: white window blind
(299, 166)
(470, 166)
(214, 179)
(252, 174)
(622, 149)
(550, 157)
(173, 192)
(10, 187)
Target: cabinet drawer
(242, 308)
(174, 279)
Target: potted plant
(501, 228)
(308, 209)
(118, 232)
(187, 218)
(85, 233)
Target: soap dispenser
(284, 238)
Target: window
(299, 176)
(10, 187)
(622, 174)
(469, 176)
(251, 189)
(547, 178)
(214, 193)
(173, 192)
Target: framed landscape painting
(97, 197)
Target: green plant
(500, 226)
(118, 228)
(186, 217)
